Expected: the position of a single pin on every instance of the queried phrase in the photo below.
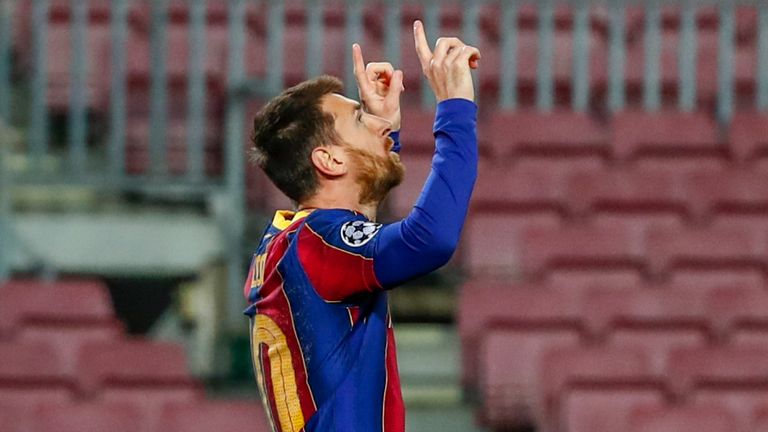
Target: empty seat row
(533, 247)
(73, 302)
(515, 392)
(652, 317)
(98, 416)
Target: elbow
(442, 250)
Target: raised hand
(447, 68)
(380, 86)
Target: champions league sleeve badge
(357, 233)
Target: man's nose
(380, 126)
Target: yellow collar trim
(284, 218)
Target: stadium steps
(428, 358)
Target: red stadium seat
(558, 134)
(658, 342)
(416, 133)
(608, 246)
(733, 191)
(590, 367)
(215, 415)
(22, 301)
(646, 307)
(744, 403)
(738, 307)
(629, 190)
(67, 339)
(132, 363)
(91, 416)
(692, 135)
(710, 417)
(494, 242)
(403, 197)
(760, 423)
(509, 384)
(518, 190)
(747, 136)
(32, 365)
(513, 310)
(691, 369)
(153, 401)
(715, 247)
(604, 409)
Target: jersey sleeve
(345, 254)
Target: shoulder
(342, 228)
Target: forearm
(426, 239)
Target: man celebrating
(322, 340)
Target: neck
(321, 201)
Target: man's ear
(331, 161)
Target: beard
(377, 175)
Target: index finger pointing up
(422, 47)
(359, 65)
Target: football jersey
(321, 332)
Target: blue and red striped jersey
(322, 339)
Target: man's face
(366, 138)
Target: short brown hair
(286, 131)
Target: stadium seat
(658, 342)
(629, 190)
(90, 416)
(132, 363)
(153, 400)
(736, 191)
(714, 247)
(692, 369)
(557, 134)
(509, 385)
(760, 423)
(607, 246)
(692, 135)
(494, 241)
(610, 308)
(23, 301)
(738, 307)
(416, 134)
(204, 416)
(747, 136)
(32, 365)
(711, 417)
(604, 409)
(514, 309)
(402, 198)
(745, 403)
(591, 367)
(67, 339)
(524, 189)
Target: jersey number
(281, 372)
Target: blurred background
(611, 275)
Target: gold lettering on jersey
(282, 373)
(258, 271)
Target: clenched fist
(447, 68)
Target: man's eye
(359, 115)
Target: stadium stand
(615, 261)
(69, 366)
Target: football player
(322, 340)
